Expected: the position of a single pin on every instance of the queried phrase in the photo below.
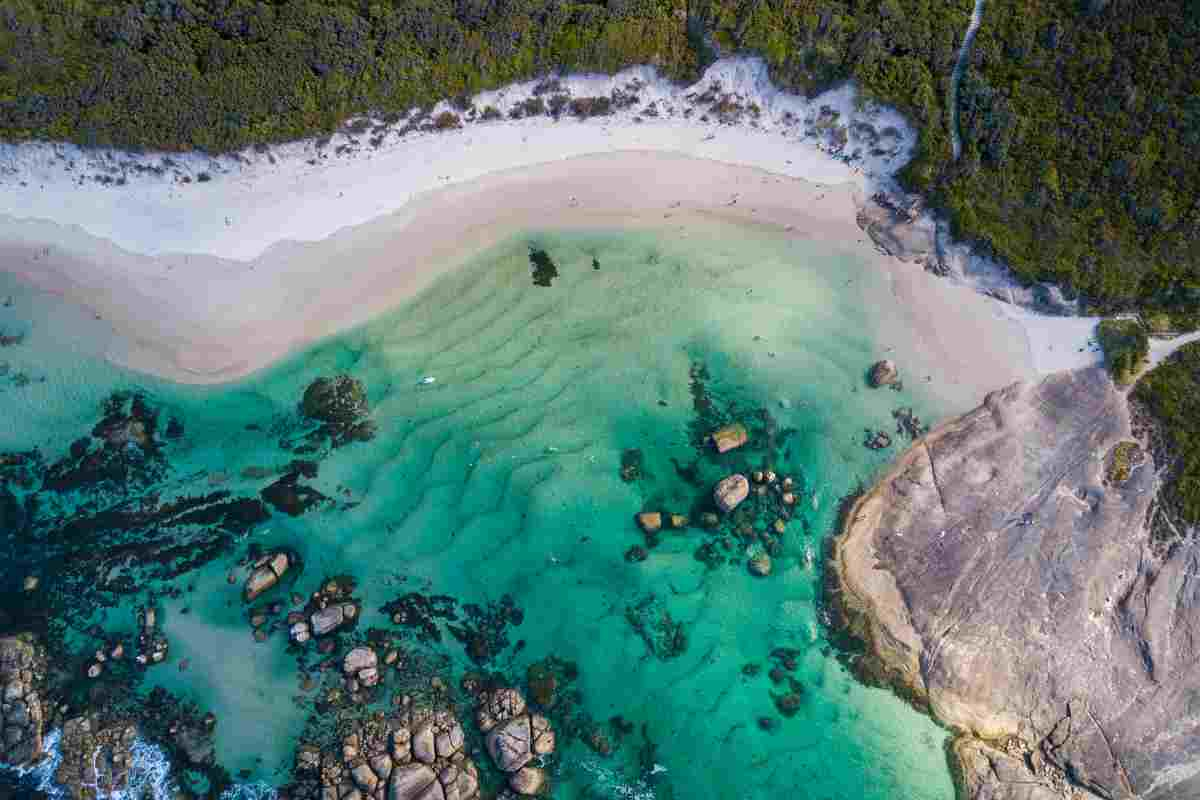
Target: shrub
(1126, 347)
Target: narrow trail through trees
(960, 66)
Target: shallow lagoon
(502, 478)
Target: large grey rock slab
(1000, 580)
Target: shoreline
(239, 205)
(298, 293)
(229, 245)
(890, 645)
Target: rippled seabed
(500, 485)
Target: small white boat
(428, 379)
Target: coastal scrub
(1171, 394)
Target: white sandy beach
(208, 281)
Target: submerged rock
(292, 497)
(760, 565)
(339, 401)
(511, 745)
(997, 578)
(731, 491)
(527, 780)
(415, 755)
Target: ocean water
(499, 483)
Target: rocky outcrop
(515, 740)
(998, 579)
(361, 668)
(729, 437)
(96, 757)
(883, 373)
(730, 492)
(415, 755)
(20, 707)
(265, 574)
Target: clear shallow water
(503, 478)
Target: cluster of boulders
(21, 711)
(768, 481)
(113, 652)
(764, 484)
(152, 645)
(361, 668)
(415, 755)
(515, 738)
(96, 757)
(775, 496)
(876, 440)
(330, 609)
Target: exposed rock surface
(883, 373)
(729, 437)
(650, 521)
(896, 226)
(515, 738)
(96, 757)
(999, 580)
(730, 492)
(415, 755)
(266, 573)
(20, 707)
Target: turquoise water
(502, 478)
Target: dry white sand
(206, 319)
(207, 281)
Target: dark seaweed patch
(544, 268)
(484, 632)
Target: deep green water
(503, 478)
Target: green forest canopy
(1080, 118)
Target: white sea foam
(610, 784)
(250, 791)
(41, 774)
(149, 772)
